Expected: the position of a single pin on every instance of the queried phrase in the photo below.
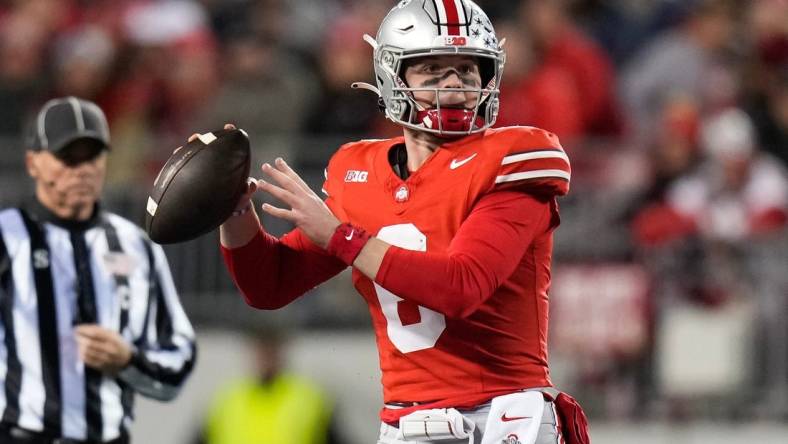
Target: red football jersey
(425, 356)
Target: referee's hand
(102, 349)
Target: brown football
(199, 186)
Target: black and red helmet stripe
(452, 18)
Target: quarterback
(448, 230)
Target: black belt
(16, 435)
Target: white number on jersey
(423, 334)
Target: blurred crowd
(648, 74)
(674, 112)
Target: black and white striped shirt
(55, 274)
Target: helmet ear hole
(486, 69)
(407, 63)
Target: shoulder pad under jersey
(531, 160)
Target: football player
(448, 230)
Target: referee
(89, 314)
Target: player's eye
(430, 68)
(466, 68)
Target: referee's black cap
(64, 120)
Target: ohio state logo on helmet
(415, 29)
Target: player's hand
(102, 349)
(246, 197)
(307, 211)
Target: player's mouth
(450, 106)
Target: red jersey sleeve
(483, 254)
(534, 163)
(271, 272)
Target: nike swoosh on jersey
(350, 236)
(505, 418)
(458, 163)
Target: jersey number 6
(423, 334)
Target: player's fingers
(278, 212)
(192, 137)
(282, 179)
(282, 166)
(229, 126)
(251, 187)
(251, 183)
(278, 192)
(246, 197)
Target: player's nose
(452, 80)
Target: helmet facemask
(443, 119)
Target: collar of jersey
(43, 214)
(393, 180)
(465, 139)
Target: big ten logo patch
(356, 176)
(456, 41)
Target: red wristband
(347, 242)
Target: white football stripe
(206, 138)
(535, 155)
(536, 174)
(152, 206)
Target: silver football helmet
(422, 28)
